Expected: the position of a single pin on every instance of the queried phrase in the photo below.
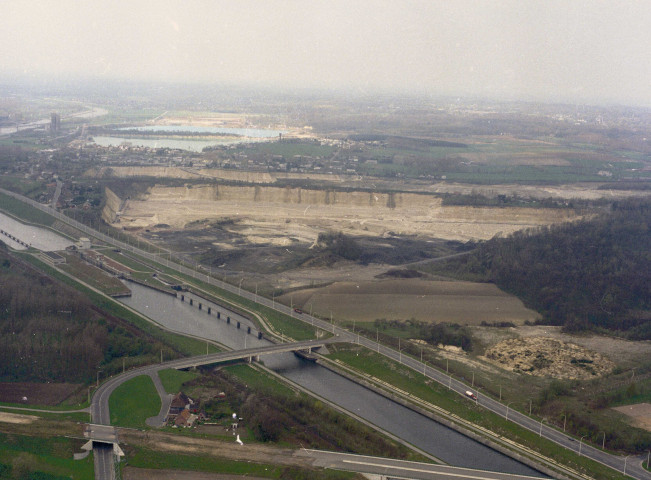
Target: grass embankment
(173, 380)
(30, 457)
(133, 402)
(93, 276)
(24, 211)
(368, 363)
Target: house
(185, 419)
(180, 402)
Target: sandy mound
(546, 357)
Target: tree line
(50, 332)
(590, 274)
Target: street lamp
(580, 443)
(625, 459)
(239, 287)
(564, 420)
(507, 411)
(541, 422)
(603, 442)
(98, 378)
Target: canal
(422, 432)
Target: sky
(590, 51)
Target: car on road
(469, 394)
(298, 310)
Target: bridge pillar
(238, 324)
(190, 301)
(248, 329)
(208, 310)
(259, 335)
(256, 358)
(199, 306)
(219, 314)
(228, 319)
(183, 298)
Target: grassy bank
(133, 402)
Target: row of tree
(50, 332)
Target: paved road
(632, 464)
(401, 468)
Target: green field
(42, 458)
(133, 402)
(25, 212)
(172, 380)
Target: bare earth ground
(624, 353)
(36, 393)
(640, 414)
(465, 303)
(131, 473)
(16, 418)
(177, 444)
(547, 357)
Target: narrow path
(166, 401)
(26, 409)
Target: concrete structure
(52, 258)
(84, 243)
(55, 122)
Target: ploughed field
(427, 301)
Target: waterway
(36, 237)
(244, 132)
(242, 135)
(434, 438)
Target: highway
(400, 468)
(631, 465)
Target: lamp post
(564, 420)
(500, 393)
(581, 442)
(239, 287)
(603, 442)
(98, 378)
(530, 402)
(541, 422)
(507, 411)
(625, 460)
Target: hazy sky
(594, 51)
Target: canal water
(434, 438)
(36, 237)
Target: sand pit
(300, 214)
